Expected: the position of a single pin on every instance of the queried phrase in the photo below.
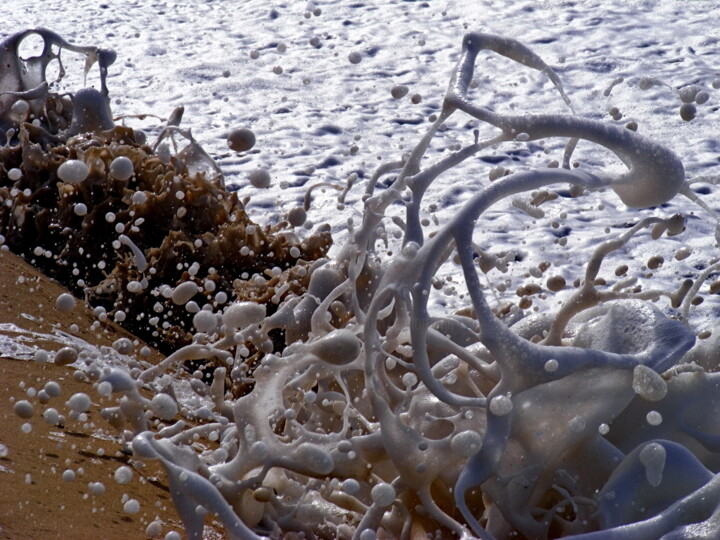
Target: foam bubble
(123, 474)
(24, 409)
(73, 171)
(122, 168)
(65, 303)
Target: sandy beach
(36, 501)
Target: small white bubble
(551, 365)
(654, 418)
(121, 168)
(131, 506)
(123, 475)
(501, 405)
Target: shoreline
(43, 504)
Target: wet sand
(35, 501)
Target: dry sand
(35, 501)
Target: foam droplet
(501, 405)
(184, 292)
(65, 303)
(24, 409)
(260, 178)
(399, 91)
(123, 475)
(73, 171)
(241, 140)
(383, 494)
(131, 506)
(648, 384)
(79, 402)
(466, 443)
(164, 407)
(652, 456)
(121, 168)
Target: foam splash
(374, 419)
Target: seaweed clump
(125, 224)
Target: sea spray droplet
(52, 388)
(241, 140)
(97, 488)
(652, 456)
(205, 321)
(297, 216)
(383, 494)
(350, 486)
(153, 529)
(79, 402)
(399, 91)
(121, 168)
(24, 409)
(687, 93)
(314, 458)
(164, 407)
(51, 416)
(184, 292)
(104, 389)
(501, 405)
(123, 475)
(65, 303)
(73, 171)
(120, 380)
(65, 356)
(139, 197)
(648, 384)
(551, 365)
(466, 443)
(688, 111)
(260, 178)
(131, 506)
(243, 314)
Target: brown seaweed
(176, 212)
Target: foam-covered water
(324, 117)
